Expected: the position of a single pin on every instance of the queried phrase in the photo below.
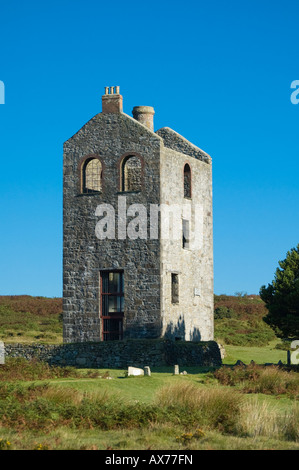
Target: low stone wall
(121, 354)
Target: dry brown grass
(216, 407)
(262, 419)
(270, 380)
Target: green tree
(282, 297)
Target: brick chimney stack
(112, 101)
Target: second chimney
(144, 115)
(112, 102)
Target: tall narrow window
(186, 234)
(92, 176)
(174, 288)
(187, 181)
(131, 174)
(112, 305)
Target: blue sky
(217, 72)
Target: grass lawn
(260, 355)
(136, 389)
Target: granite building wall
(147, 263)
(110, 137)
(191, 316)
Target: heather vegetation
(238, 320)
(27, 319)
(253, 378)
(21, 369)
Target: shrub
(223, 312)
(243, 333)
(239, 320)
(273, 381)
(284, 345)
(259, 379)
(235, 375)
(185, 438)
(41, 406)
(22, 369)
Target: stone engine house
(146, 271)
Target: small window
(174, 288)
(187, 181)
(131, 174)
(186, 234)
(112, 305)
(92, 176)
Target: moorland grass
(185, 406)
(183, 415)
(43, 407)
(262, 419)
(41, 324)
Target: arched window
(131, 174)
(187, 181)
(92, 176)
